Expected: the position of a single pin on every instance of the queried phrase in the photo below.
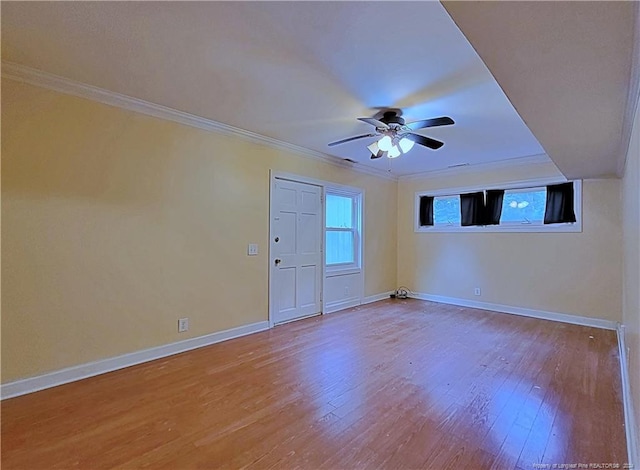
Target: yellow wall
(631, 302)
(573, 273)
(115, 224)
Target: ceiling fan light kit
(406, 144)
(393, 152)
(398, 137)
(385, 143)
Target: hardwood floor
(395, 384)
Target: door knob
(278, 261)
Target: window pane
(446, 210)
(339, 247)
(523, 207)
(339, 211)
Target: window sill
(524, 228)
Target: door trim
(323, 184)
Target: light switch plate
(253, 249)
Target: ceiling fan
(397, 136)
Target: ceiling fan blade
(349, 139)
(380, 154)
(435, 122)
(426, 141)
(374, 122)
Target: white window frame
(506, 227)
(356, 207)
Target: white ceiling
(301, 72)
(567, 69)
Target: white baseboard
(526, 312)
(354, 302)
(375, 298)
(629, 417)
(342, 304)
(90, 369)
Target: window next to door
(343, 225)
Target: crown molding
(31, 76)
(480, 167)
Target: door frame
(273, 175)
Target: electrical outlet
(346, 291)
(477, 291)
(183, 325)
(252, 250)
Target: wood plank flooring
(395, 384)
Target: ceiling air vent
(458, 165)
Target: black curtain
(426, 210)
(472, 209)
(493, 206)
(559, 209)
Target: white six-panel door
(295, 250)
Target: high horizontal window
(507, 209)
(524, 206)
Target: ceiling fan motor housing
(391, 117)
